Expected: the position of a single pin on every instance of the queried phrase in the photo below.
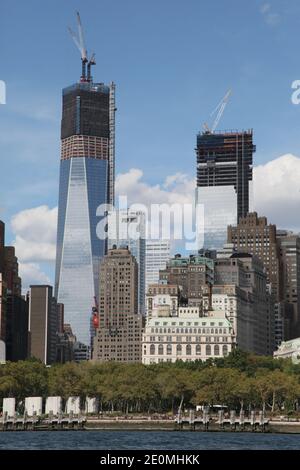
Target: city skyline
(149, 229)
(195, 97)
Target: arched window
(225, 349)
(188, 349)
(152, 349)
(208, 350)
(198, 349)
(217, 350)
(169, 348)
(160, 349)
(179, 349)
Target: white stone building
(289, 350)
(162, 300)
(186, 336)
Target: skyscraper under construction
(86, 181)
(224, 177)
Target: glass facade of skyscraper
(219, 204)
(224, 174)
(84, 185)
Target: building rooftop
(87, 86)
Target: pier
(204, 422)
(35, 423)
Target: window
(169, 348)
(160, 349)
(198, 349)
(208, 350)
(152, 349)
(217, 350)
(179, 349)
(225, 349)
(188, 349)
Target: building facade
(290, 255)
(3, 308)
(224, 182)
(234, 285)
(86, 182)
(157, 256)
(13, 306)
(127, 228)
(43, 324)
(162, 300)
(193, 274)
(289, 350)
(186, 336)
(246, 272)
(119, 336)
(254, 235)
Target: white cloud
(277, 191)
(265, 8)
(35, 233)
(178, 188)
(276, 195)
(35, 242)
(270, 17)
(32, 274)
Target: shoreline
(273, 427)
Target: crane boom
(74, 37)
(80, 44)
(81, 38)
(219, 110)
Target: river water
(156, 440)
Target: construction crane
(80, 44)
(90, 63)
(218, 111)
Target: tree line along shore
(238, 381)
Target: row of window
(209, 350)
(189, 339)
(191, 330)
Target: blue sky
(172, 62)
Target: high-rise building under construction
(224, 177)
(86, 181)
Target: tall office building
(127, 228)
(193, 274)
(119, 336)
(86, 181)
(211, 290)
(43, 323)
(157, 256)
(254, 235)
(2, 286)
(290, 255)
(13, 306)
(224, 177)
(245, 274)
